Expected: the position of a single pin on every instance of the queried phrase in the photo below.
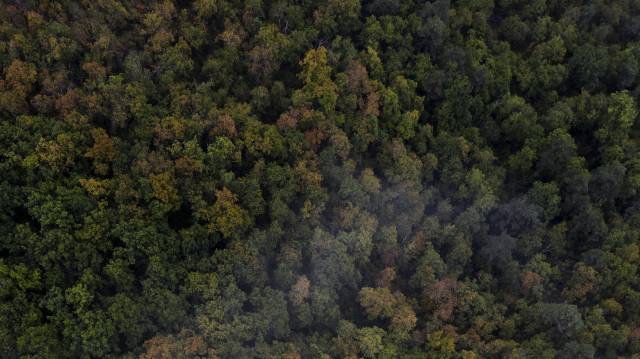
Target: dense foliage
(319, 179)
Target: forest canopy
(319, 179)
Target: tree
(19, 77)
(565, 319)
(299, 290)
(614, 131)
(228, 217)
(318, 87)
(547, 197)
(377, 302)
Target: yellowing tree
(228, 216)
